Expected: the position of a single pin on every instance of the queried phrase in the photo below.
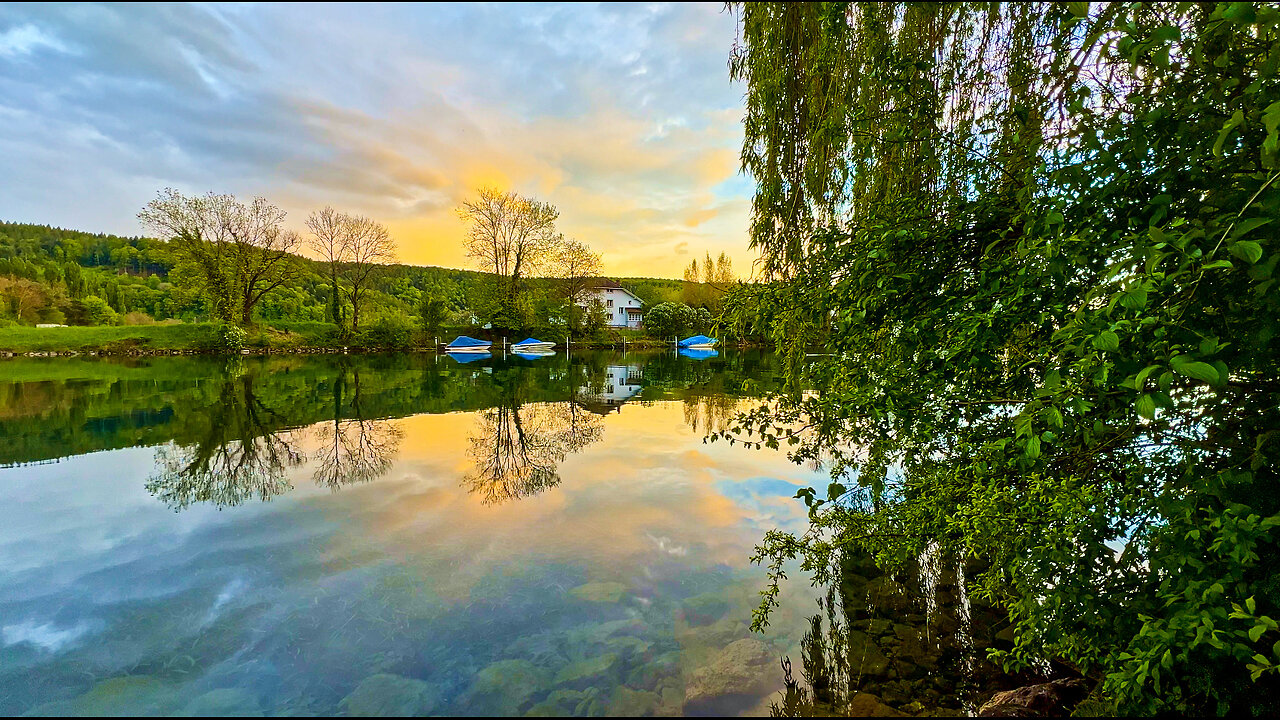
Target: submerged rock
(867, 705)
(223, 702)
(125, 696)
(742, 668)
(590, 670)
(385, 695)
(1049, 699)
(626, 702)
(503, 687)
(600, 592)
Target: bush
(137, 318)
(387, 332)
(670, 319)
(232, 338)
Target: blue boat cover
(463, 341)
(469, 357)
(697, 340)
(698, 354)
(526, 341)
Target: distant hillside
(43, 269)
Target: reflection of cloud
(46, 636)
(667, 547)
(622, 116)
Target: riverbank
(272, 338)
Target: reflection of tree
(239, 458)
(354, 449)
(516, 449)
(709, 413)
(912, 638)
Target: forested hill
(44, 270)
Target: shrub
(387, 332)
(670, 319)
(232, 338)
(137, 318)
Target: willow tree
(1037, 240)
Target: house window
(610, 305)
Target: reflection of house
(622, 382)
(621, 306)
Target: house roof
(607, 284)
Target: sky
(622, 116)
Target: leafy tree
(1038, 243)
(93, 310)
(432, 312)
(669, 319)
(510, 237)
(240, 251)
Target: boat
(464, 344)
(698, 353)
(466, 357)
(531, 345)
(697, 342)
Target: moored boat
(697, 342)
(532, 345)
(464, 344)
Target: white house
(620, 305)
(622, 382)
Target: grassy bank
(275, 337)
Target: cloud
(622, 116)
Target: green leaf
(1107, 341)
(1248, 226)
(1033, 447)
(1134, 298)
(1146, 407)
(1256, 632)
(1240, 12)
(1078, 9)
(1195, 370)
(1247, 250)
(1227, 127)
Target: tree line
(223, 259)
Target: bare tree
(369, 249)
(576, 267)
(355, 248)
(239, 251)
(328, 240)
(510, 237)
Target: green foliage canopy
(1038, 242)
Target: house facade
(621, 306)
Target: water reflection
(239, 458)
(619, 581)
(892, 643)
(355, 448)
(516, 449)
(249, 448)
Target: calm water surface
(387, 535)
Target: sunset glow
(622, 116)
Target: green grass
(185, 336)
(277, 335)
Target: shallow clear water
(387, 535)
